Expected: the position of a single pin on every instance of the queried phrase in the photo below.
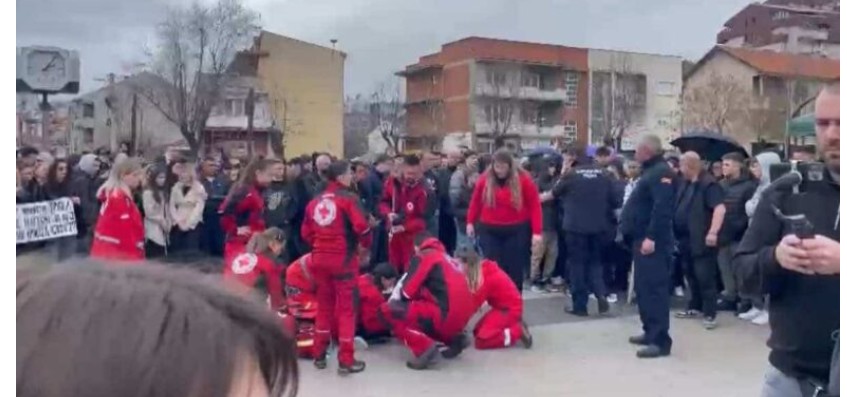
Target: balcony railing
(522, 92)
(524, 129)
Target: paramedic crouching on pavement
(801, 276)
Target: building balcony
(521, 129)
(522, 92)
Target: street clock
(47, 70)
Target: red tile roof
(784, 64)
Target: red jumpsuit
(119, 233)
(243, 208)
(257, 271)
(501, 326)
(370, 303)
(412, 203)
(437, 300)
(335, 226)
(300, 287)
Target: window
(531, 79)
(88, 110)
(88, 136)
(571, 88)
(570, 131)
(494, 77)
(234, 107)
(665, 88)
(780, 15)
(497, 113)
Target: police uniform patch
(325, 212)
(244, 263)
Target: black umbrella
(711, 146)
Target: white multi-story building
(632, 94)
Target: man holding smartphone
(800, 275)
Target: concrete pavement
(584, 357)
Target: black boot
(652, 351)
(640, 340)
(356, 367)
(602, 305)
(457, 345)
(320, 361)
(425, 360)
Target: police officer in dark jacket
(801, 276)
(646, 224)
(588, 203)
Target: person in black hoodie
(543, 260)
(58, 186)
(373, 184)
(738, 188)
(800, 275)
(217, 187)
(282, 203)
(588, 204)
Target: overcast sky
(382, 36)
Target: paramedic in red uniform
(431, 304)
(242, 209)
(119, 233)
(300, 287)
(257, 268)
(406, 206)
(502, 326)
(335, 226)
(373, 290)
(505, 213)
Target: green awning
(802, 126)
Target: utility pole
(249, 107)
(133, 129)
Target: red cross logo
(244, 263)
(324, 212)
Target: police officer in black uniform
(646, 224)
(588, 202)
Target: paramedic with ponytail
(256, 267)
(335, 226)
(502, 326)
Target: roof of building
(774, 63)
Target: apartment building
(794, 26)
(477, 90)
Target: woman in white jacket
(157, 220)
(760, 167)
(188, 198)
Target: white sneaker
(612, 298)
(360, 343)
(557, 281)
(762, 318)
(678, 291)
(537, 289)
(750, 314)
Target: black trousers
(652, 281)
(617, 261)
(510, 246)
(447, 231)
(184, 241)
(701, 271)
(211, 235)
(153, 250)
(586, 267)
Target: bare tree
(628, 98)
(387, 113)
(719, 104)
(285, 122)
(502, 105)
(194, 48)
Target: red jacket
(370, 300)
(436, 277)
(242, 208)
(119, 233)
(335, 223)
(257, 271)
(503, 212)
(298, 276)
(498, 290)
(413, 204)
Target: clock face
(47, 69)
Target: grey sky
(382, 36)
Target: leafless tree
(285, 122)
(502, 105)
(623, 92)
(719, 104)
(194, 47)
(387, 113)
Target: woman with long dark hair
(506, 208)
(242, 212)
(157, 219)
(58, 186)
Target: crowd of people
(435, 235)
